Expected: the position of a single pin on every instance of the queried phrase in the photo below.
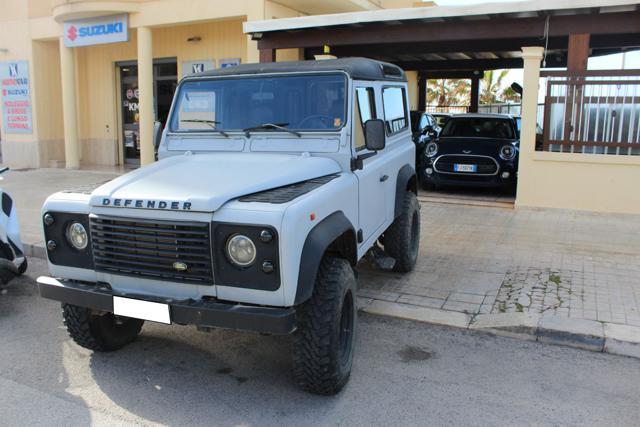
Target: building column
(412, 82)
(69, 106)
(475, 94)
(532, 56)
(145, 87)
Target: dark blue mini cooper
(473, 150)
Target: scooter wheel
(23, 267)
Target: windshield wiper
(211, 123)
(271, 126)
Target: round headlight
(507, 152)
(431, 149)
(77, 236)
(241, 250)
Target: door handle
(383, 178)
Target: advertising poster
(16, 97)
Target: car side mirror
(374, 135)
(157, 135)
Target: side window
(395, 113)
(366, 110)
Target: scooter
(13, 262)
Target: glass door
(165, 80)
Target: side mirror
(374, 135)
(157, 135)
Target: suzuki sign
(104, 29)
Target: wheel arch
(334, 233)
(407, 181)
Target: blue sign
(100, 30)
(16, 97)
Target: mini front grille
(175, 251)
(484, 165)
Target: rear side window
(395, 112)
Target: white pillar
(145, 87)
(69, 106)
(532, 56)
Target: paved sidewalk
(30, 188)
(515, 272)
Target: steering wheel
(320, 117)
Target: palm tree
(510, 95)
(491, 86)
(446, 92)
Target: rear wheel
(402, 238)
(99, 332)
(325, 338)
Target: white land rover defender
(273, 181)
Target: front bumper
(204, 313)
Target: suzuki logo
(72, 33)
(180, 266)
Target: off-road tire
(99, 332)
(402, 238)
(324, 340)
(23, 267)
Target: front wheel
(325, 338)
(402, 238)
(104, 332)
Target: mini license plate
(138, 309)
(464, 168)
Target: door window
(395, 112)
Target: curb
(34, 250)
(623, 340)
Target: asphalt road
(404, 373)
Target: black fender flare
(321, 236)
(403, 184)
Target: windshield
(302, 102)
(479, 127)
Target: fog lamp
(429, 171)
(505, 175)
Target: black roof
(356, 68)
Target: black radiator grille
(153, 249)
(484, 165)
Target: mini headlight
(77, 236)
(507, 152)
(431, 149)
(241, 250)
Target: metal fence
(502, 108)
(593, 113)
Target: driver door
(372, 180)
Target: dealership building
(84, 80)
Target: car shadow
(178, 375)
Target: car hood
(479, 146)
(204, 182)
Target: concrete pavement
(405, 373)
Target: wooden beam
(422, 93)
(453, 74)
(267, 55)
(457, 30)
(475, 95)
(474, 64)
(578, 52)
